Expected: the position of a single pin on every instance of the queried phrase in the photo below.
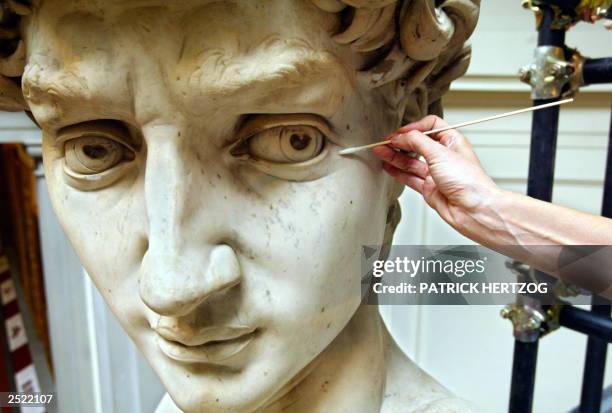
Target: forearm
(513, 224)
(514, 219)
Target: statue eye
(293, 146)
(90, 155)
(287, 144)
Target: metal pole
(595, 71)
(544, 125)
(523, 376)
(539, 185)
(594, 367)
(597, 349)
(606, 205)
(586, 322)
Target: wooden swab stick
(349, 151)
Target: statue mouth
(214, 345)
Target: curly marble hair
(413, 49)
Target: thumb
(415, 141)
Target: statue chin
(365, 359)
(191, 155)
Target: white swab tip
(349, 151)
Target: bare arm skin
(452, 181)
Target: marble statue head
(191, 155)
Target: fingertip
(402, 140)
(399, 138)
(379, 151)
(383, 152)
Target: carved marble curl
(416, 46)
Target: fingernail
(396, 138)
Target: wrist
(485, 221)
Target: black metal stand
(523, 376)
(539, 185)
(597, 322)
(594, 363)
(542, 152)
(544, 125)
(598, 326)
(596, 71)
(597, 347)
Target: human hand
(450, 178)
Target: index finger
(426, 124)
(415, 141)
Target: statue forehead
(222, 25)
(297, 11)
(109, 7)
(184, 28)
(209, 51)
(229, 25)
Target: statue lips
(211, 345)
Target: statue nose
(175, 285)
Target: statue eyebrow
(313, 81)
(306, 77)
(37, 87)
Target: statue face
(191, 155)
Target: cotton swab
(349, 151)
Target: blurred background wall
(469, 349)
